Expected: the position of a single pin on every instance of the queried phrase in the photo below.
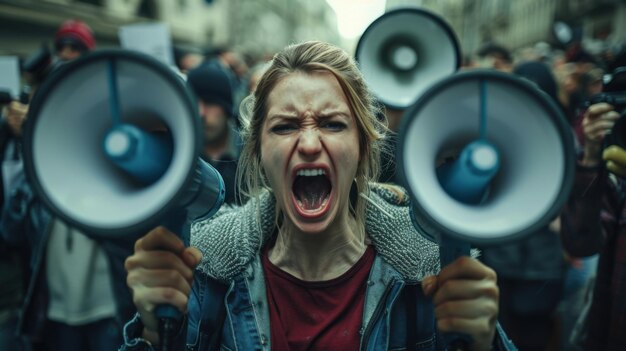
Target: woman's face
(310, 150)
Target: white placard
(10, 75)
(153, 39)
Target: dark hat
(211, 84)
(75, 32)
(540, 74)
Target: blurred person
(13, 117)
(13, 273)
(72, 39)
(255, 74)
(13, 258)
(581, 271)
(221, 141)
(592, 82)
(495, 56)
(530, 270)
(590, 226)
(187, 59)
(593, 222)
(568, 81)
(304, 265)
(235, 67)
(76, 297)
(469, 62)
(577, 54)
(581, 63)
(544, 52)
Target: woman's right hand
(597, 123)
(160, 272)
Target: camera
(613, 90)
(614, 93)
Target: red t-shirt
(323, 315)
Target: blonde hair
(310, 57)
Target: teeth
(311, 172)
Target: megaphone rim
(403, 10)
(39, 100)
(556, 116)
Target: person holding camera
(13, 258)
(594, 221)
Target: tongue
(311, 191)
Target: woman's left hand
(465, 296)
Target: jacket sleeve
(133, 330)
(133, 340)
(201, 327)
(16, 213)
(502, 341)
(591, 202)
(132, 336)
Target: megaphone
(405, 51)
(112, 146)
(487, 158)
(70, 119)
(523, 166)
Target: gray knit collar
(232, 238)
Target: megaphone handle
(169, 316)
(449, 250)
(457, 341)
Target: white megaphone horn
(405, 51)
(487, 158)
(112, 148)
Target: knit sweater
(232, 238)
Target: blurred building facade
(518, 24)
(261, 26)
(251, 26)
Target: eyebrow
(320, 116)
(281, 116)
(334, 114)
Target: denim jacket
(245, 322)
(235, 316)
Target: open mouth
(311, 191)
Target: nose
(309, 142)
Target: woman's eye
(336, 126)
(283, 128)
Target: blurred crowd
(546, 281)
(62, 290)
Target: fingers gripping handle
(169, 316)
(457, 341)
(449, 250)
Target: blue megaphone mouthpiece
(467, 178)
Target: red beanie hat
(76, 30)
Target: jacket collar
(234, 236)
